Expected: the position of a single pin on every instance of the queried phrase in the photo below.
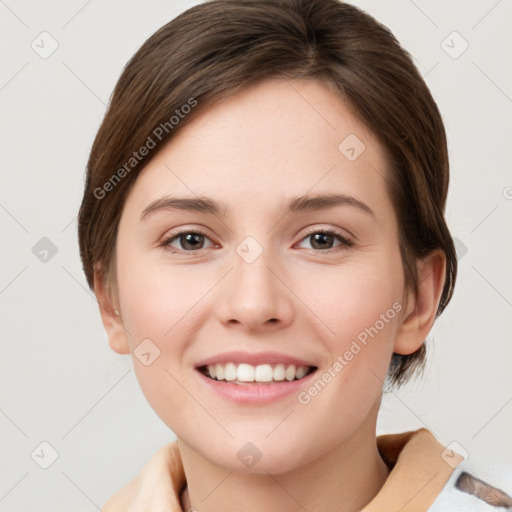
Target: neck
(352, 473)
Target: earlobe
(112, 322)
(420, 313)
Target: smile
(247, 374)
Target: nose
(254, 296)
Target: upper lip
(253, 359)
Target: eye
(322, 239)
(193, 241)
(190, 241)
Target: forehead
(272, 140)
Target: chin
(256, 456)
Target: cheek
(359, 315)
(157, 299)
(161, 303)
(356, 300)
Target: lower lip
(256, 393)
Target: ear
(421, 309)
(111, 321)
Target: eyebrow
(207, 205)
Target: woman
(263, 226)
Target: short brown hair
(214, 49)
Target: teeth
(219, 372)
(262, 373)
(279, 372)
(230, 372)
(245, 373)
(290, 372)
(301, 372)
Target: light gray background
(61, 383)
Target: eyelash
(344, 241)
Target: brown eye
(188, 241)
(324, 240)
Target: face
(270, 279)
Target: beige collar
(419, 471)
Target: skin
(253, 152)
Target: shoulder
(156, 487)
(465, 491)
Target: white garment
(452, 499)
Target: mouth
(244, 374)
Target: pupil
(321, 237)
(189, 239)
